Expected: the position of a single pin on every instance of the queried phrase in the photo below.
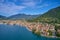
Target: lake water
(10, 32)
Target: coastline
(43, 35)
(27, 27)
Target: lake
(16, 32)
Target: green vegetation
(38, 33)
(33, 30)
(58, 34)
(50, 33)
(50, 17)
(57, 27)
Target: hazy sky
(33, 7)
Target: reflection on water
(15, 32)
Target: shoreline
(43, 35)
(31, 31)
(28, 29)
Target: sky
(29, 7)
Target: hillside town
(43, 29)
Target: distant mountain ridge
(22, 16)
(3, 17)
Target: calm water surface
(10, 32)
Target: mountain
(52, 16)
(22, 16)
(3, 17)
